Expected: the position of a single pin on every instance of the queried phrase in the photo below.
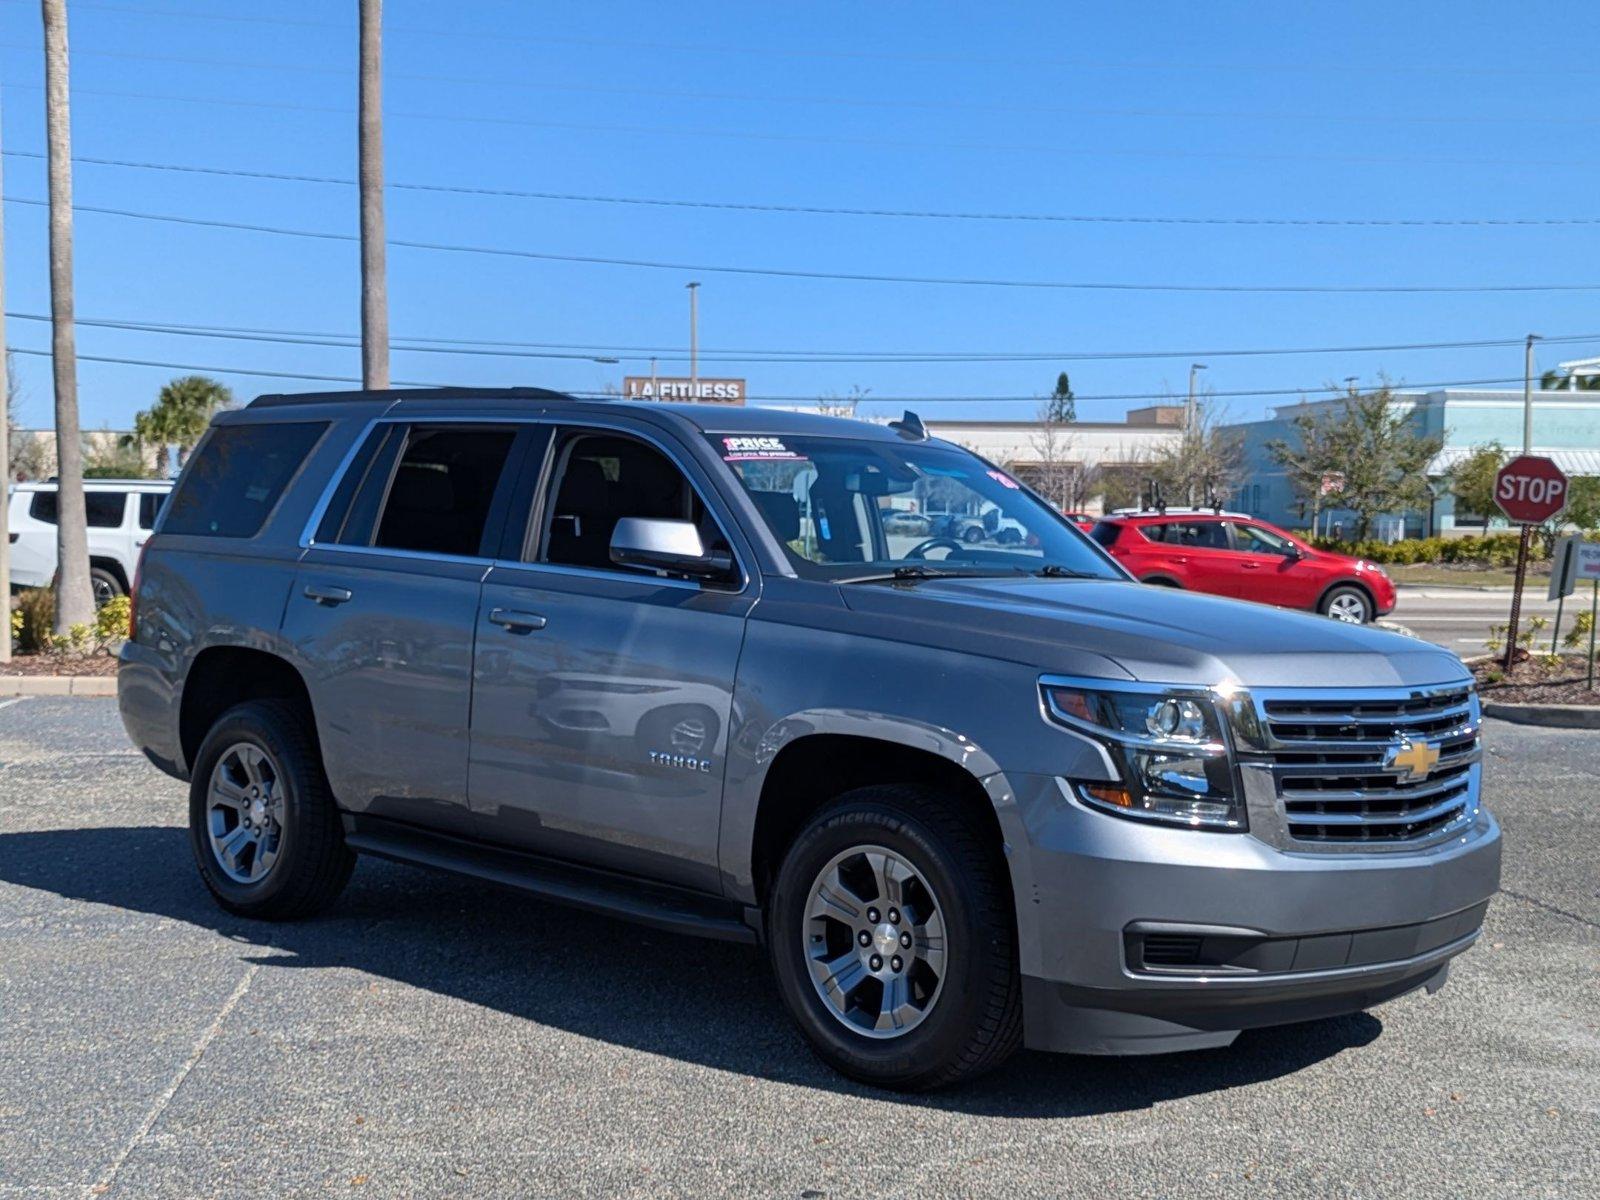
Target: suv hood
(1155, 634)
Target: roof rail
(390, 395)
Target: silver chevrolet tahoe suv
(698, 666)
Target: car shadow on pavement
(705, 1002)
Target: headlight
(1170, 748)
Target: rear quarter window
(237, 477)
(1106, 532)
(102, 510)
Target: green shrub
(35, 631)
(1576, 637)
(1495, 550)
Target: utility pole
(74, 599)
(694, 341)
(374, 267)
(5, 461)
(1527, 393)
(1190, 416)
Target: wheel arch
(222, 676)
(112, 566)
(817, 757)
(1157, 579)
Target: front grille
(1332, 760)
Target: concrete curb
(58, 685)
(1554, 716)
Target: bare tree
(374, 269)
(1204, 465)
(1054, 472)
(74, 599)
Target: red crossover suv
(1230, 554)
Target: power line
(1256, 393)
(588, 351)
(172, 366)
(851, 276)
(809, 210)
(988, 145)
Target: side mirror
(663, 545)
(1293, 553)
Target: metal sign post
(1530, 491)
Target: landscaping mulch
(1531, 681)
(49, 664)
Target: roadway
(1459, 618)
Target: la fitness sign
(700, 391)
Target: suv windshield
(846, 508)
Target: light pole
(1188, 411)
(1527, 394)
(1189, 415)
(694, 340)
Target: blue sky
(1345, 112)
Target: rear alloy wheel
(262, 823)
(891, 935)
(1348, 604)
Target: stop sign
(1530, 490)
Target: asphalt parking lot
(434, 1037)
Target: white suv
(121, 514)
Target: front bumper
(1285, 935)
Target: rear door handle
(511, 618)
(324, 593)
(1251, 566)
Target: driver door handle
(514, 620)
(324, 593)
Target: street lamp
(1188, 411)
(694, 340)
(1527, 393)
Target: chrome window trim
(554, 420)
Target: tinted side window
(103, 509)
(438, 500)
(605, 478)
(149, 509)
(237, 476)
(1196, 535)
(1105, 532)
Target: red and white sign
(1530, 490)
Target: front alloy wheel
(874, 937)
(891, 930)
(1348, 604)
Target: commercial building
(1566, 428)
(1076, 465)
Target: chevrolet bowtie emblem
(1415, 759)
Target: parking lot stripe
(103, 1185)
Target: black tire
(105, 585)
(975, 1019)
(1161, 581)
(972, 534)
(313, 863)
(1347, 597)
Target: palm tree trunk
(374, 270)
(74, 600)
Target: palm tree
(374, 275)
(74, 599)
(178, 418)
(190, 402)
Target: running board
(662, 906)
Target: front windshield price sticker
(1005, 480)
(756, 449)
